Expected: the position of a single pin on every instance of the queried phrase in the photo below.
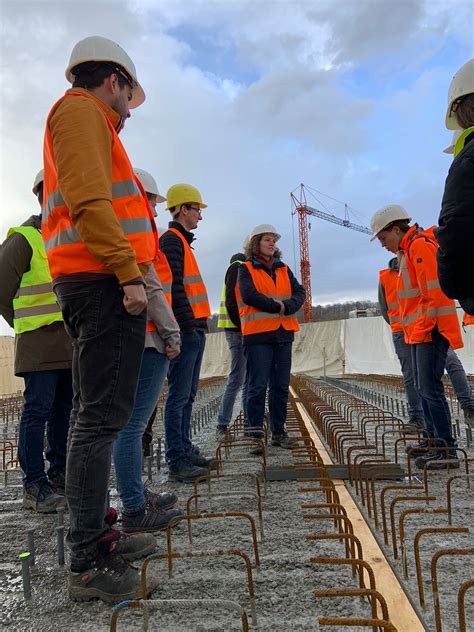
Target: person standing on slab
(43, 358)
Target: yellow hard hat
(183, 194)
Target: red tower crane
(301, 208)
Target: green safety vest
(224, 321)
(35, 304)
(459, 145)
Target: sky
(246, 99)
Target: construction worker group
(104, 310)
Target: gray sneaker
(414, 424)
(135, 546)
(111, 579)
(221, 433)
(150, 519)
(185, 472)
(41, 498)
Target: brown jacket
(82, 145)
(45, 348)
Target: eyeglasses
(194, 208)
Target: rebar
(461, 605)
(25, 574)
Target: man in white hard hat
(100, 238)
(43, 356)
(455, 234)
(191, 309)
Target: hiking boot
(438, 460)
(419, 449)
(414, 424)
(185, 472)
(200, 461)
(280, 439)
(221, 433)
(111, 579)
(469, 415)
(165, 500)
(40, 497)
(57, 480)
(134, 547)
(149, 519)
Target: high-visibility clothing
(254, 321)
(389, 281)
(163, 271)
(194, 287)
(467, 319)
(224, 321)
(423, 305)
(34, 304)
(67, 253)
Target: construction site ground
(284, 584)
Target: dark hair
(91, 74)
(403, 225)
(464, 111)
(252, 249)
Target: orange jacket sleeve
(82, 148)
(423, 257)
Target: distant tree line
(333, 311)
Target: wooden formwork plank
(402, 613)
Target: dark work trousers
(108, 344)
(268, 364)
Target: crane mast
(302, 210)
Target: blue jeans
(236, 379)
(107, 352)
(47, 403)
(268, 364)
(457, 375)
(183, 380)
(403, 351)
(127, 450)
(429, 361)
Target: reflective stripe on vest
(254, 321)
(423, 305)
(67, 253)
(194, 287)
(34, 304)
(389, 282)
(224, 321)
(164, 274)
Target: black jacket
(231, 277)
(455, 234)
(265, 304)
(173, 248)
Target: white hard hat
(97, 48)
(149, 183)
(462, 84)
(385, 216)
(263, 229)
(246, 242)
(456, 134)
(38, 180)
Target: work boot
(438, 460)
(419, 449)
(40, 497)
(280, 439)
(130, 547)
(165, 500)
(149, 519)
(57, 480)
(185, 472)
(111, 579)
(200, 461)
(414, 424)
(221, 433)
(469, 415)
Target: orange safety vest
(467, 320)
(254, 321)
(163, 271)
(194, 287)
(423, 305)
(67, 253)
(389, 281)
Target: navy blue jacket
(173, 248)
(265, 304)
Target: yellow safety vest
(35, 304)
(224, 321)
